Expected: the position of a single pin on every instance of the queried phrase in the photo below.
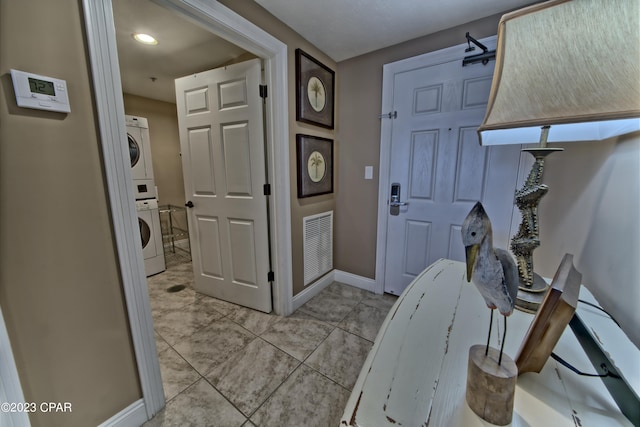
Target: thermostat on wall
(40, 92)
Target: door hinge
(271, 276)
(263, 91)
(390, 115)
(267, 189)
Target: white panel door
(220, 120)
(441, 168)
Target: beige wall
(165, 145)
(312, 205)
(60, 289)
(360, 88)
(592, 211)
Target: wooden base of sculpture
(491, 387)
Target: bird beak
(471, 253)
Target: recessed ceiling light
(145, 38)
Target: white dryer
(149, 222)
(140, 154)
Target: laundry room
(148, 69)
(163, 200)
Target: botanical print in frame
(314, 165)
(314, 91)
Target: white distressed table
(415, 374)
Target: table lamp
(565, 71)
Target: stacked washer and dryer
(145, 192)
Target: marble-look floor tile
(213, 344)
(301, 315)
(177, 258)
(164, 301)
(329, 306)
(159, 287)
(219, 339)
(384, 301)
(340, 357)
(219, 305)
(251, 375)
(305, 399)
(200, 405)
(364, 321)
(181, 264)
(298, 336)
(174, 276)
(346, 291)
(177, 324)
(176, 373)
(254, 321)
(161, 344)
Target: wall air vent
(318, 245)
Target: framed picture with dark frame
(314, 165)
(314, 91)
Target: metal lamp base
(532, 289)
(530, 298)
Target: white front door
(440, 168)
(220, 120)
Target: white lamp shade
(574, 65)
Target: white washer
(140, 155)
(149, 222)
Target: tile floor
(226, 365)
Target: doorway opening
(102, 50)
(204, 111)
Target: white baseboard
(133, 415)
(312, 290)
(333, 276)
(355, 280)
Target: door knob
(189, 204)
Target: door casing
(107, 86)
(10, 388)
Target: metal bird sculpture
(492, 269)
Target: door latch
(394, 201)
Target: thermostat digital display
(40, 92)
(41, 86)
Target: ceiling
(183, 48)
(342, 29)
